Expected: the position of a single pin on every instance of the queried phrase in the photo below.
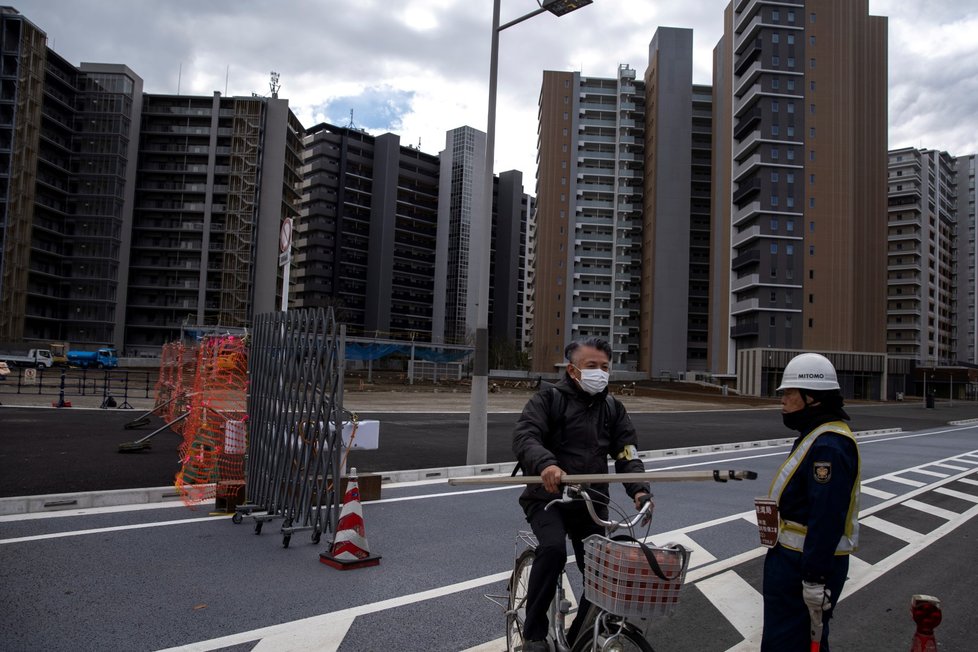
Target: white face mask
(593, 381)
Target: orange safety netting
(177, 371)
(215, 432)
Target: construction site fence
(295, 410)
(120, 385)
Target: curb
(962, 422)
(87, 499)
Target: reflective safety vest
(791, 535)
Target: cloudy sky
(419, 67)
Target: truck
(101, 358)
(39, 358)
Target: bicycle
(619, 583)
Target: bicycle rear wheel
(519, 581)
(629, 640)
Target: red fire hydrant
(926, 612)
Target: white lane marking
(946, 514)
(893, 477)
(933, 474)
(116, 528)
(968, 481)
(446, 494)
(322, 638)
(892, 529)
(874, 492)
(90, 511)
(737, 600)
(906, 552)
(945, 465)
(956, 494)
(327, 621)
(857, 567)
(699, 555)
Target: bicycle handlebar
(644, 513)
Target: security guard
(817, 494)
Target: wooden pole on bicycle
(593, 478)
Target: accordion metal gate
(296, 416)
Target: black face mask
(795, 420)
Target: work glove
(816, 596)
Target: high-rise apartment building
(216, 178)
(589, 214)
(71, 135)
(384, 235)
(130, 215)
(461, 196)
(366, 238)
(800, 189)
(967, 260)
(921, 250)
(675, 282)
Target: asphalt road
(152, 577)
(43, 450)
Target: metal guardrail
(119, 385)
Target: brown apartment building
(800, 153)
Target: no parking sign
(30, 376)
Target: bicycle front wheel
(519, 582)
(629, 640)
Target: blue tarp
(373, 351)
(376, 351)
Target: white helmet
(809, 371)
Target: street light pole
(478, 406)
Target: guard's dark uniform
(818, 506)
(578, 441)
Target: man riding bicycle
(570, 428)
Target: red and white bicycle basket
(619, 579)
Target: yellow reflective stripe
(628, 453)
(792, 535)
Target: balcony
(746, 190)
(747, 122)
(748, 211)
(738, 284)
(751, 257)
(747, 305)
(745, 330)
(748, 58)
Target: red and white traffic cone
(350, 549)
(926, 612)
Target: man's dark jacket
(578, 442)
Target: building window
(811, 85)
(811, 322)
(811, 225)
(811, 204)
(811, 298)
(811, 179)
(774, 225)
(773, 298)
(774, 200)
(811, 155)
(774, 247)
(791, 84)
(791, 130)
(773, 321)
(789, 249)
(775, 106)
(774, 177)
(787, 318)
(775, 38)
(564, 147)
(791, 63)
(811, 132)
(789, 226)
(565, 131)
(811, 108)
(811, 250)
(775, 16)
(790, 177)
(566, 99)
(790, 202)
(566, 83)
(811, 274)
(775, 154)
(566, 115)
(775, 84)
(791, 15)
(811, 63)
(791, 107)
(775, 130)
(811, 40)
(791, 39)
(775, 61)
(791, 155)
(811, 17)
